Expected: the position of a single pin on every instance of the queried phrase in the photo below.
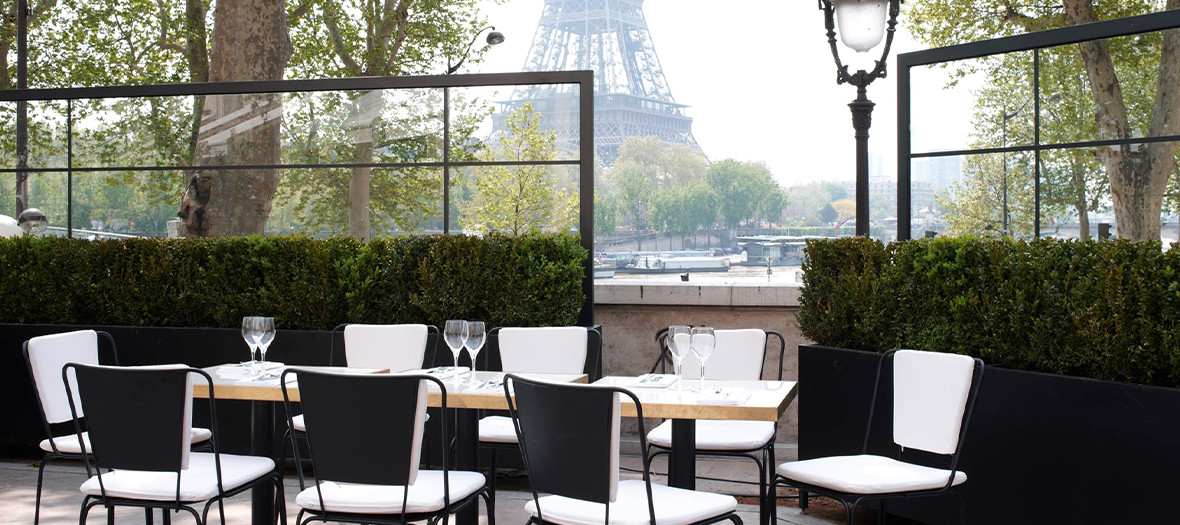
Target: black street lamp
(863, 24)
(494, 38)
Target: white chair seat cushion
(720, 435)
(69, 444)
(426, 494)
(300, 426)
(197, 483)
(866, 474)
(496, 429)
(673, 506)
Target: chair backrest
(139, 418)
(46, 355)
(551, 349)
(398, 347)
(362, 428)
(738, 355)
(571, 453)
(930, 398)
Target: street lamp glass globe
(862, 22)
(495, 38)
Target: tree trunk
(1138, 173)
(250, 42)
(366, 109)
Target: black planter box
(1041, 448)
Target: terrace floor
(61, 500)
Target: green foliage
(1105, 310)
(306, 284)
(521, 199)
(742, 188)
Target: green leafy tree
(1134, 87)
(520, 199)
(741, 189)
(645, 167)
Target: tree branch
(403, 15)
(338, 41)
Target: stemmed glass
(702, 341)
(455, 335)
(474, 343)
(265, 331)
(678, 339)
(251, 337)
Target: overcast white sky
(760, 80)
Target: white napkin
(654, 381)
(443, 372)
(242, 371)
(724, 396)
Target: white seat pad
(720, 435)
(197, 483)
(69, 444)
(496, 429)
(673, 506)
(426, 494)
(300, 426)
(866, 474)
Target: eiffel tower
(631, 95)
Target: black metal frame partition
(1034, 42)
(585, 160)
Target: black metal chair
(398, 347)
(45, 356)
(573, 457)
(140, 419)
(365, 438)
(739, 355)
(933, 397)
(549, 349)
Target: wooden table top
(463, 394)
(767, 402)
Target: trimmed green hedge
(1104, 310)
(308, 284)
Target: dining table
(470, 393)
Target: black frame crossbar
(1149, 23)
(584, 80)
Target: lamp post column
(862, 120)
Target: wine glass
(250, 334)
(475, 340)
(455, 335)
(678, 339)
(702, 341)
(266, 336)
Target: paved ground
(61, 500)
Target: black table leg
(682, 463)
(261, 435)
(467, 456)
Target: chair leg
(962, 506)
(803, 501)
(110, 515)
(880, 512)
(492, 475)
(167, 516)
(149, 517)
(849, 512)
(762, 492)
(40, 479)
(280, 500)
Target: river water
(735, 275)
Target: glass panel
(137, 204)
(338, 127)
(1075, 194)
(486, 120)
(972, 104)
(515, 199)
(133, 132)
(994, 196)
(47, 134)
(47, 192)
(8, 194)
(316, 202)
(1070, 112)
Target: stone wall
(631, 312)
